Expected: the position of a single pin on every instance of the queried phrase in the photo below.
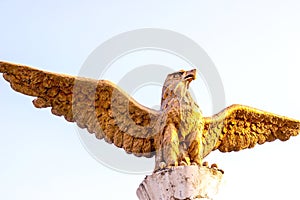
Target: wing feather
(239, 127)
(99, 106)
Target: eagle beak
(190, 75)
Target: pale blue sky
(254, 44)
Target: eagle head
(177, 84)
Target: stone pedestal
(183, 182)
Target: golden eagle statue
(177, 134)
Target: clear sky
(255, 46)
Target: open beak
(190, 75)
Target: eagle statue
(177, 134)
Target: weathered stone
(183, 182)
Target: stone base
(182, 182)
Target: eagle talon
(214, 166)
(183, 163)
(174, 164)
(162, 165)
(205, 164)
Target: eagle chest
(185, 115)
(191, 120)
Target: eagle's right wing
(100, 106)
(239, 127)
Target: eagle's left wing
(97, 105)
(239, 127)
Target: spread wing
(100, 106)
(239, 127)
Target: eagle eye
(178, 74)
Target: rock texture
(183, 182)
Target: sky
(254, 45)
